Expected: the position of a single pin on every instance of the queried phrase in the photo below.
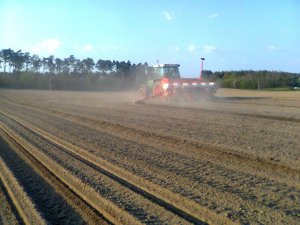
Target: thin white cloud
(192, 48)
(213, 15)
(88, 47)
(209, 48)
(46, 46)
(168, 15)
(273, 48)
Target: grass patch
(281, 89)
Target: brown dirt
(8, 214)
(237, 156)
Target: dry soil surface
(235, 158)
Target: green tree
(27, 60)
(88, 65)
(79, 66)
(59, 65)
(70, 63)
(36, 63)
(50, 64)
(101, 66)
(45, 64)
(17, 60)
(6, 55)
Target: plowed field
(98, 158)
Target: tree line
(249, 79)
(23, 70)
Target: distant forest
(249, 79)
(23, 70)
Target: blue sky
(229, 34)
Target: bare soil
(8, 214)
(238, 155)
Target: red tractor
(164, 81)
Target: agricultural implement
(164, 82)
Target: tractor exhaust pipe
(202, 59)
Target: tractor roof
(166, 65)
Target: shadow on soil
(236, 98)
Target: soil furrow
(78, 185)
(23, 203)
(71, 206)
(189, 131)
(8, 212)
(236, 157)
(266, 163)
(211, 183)
(46, 199)
(96, 182)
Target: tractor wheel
(143, 92)
(210, 96)
(157, 89)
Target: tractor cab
(163, 70)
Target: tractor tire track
(56, 202)
(169, 207)
(8, 212)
